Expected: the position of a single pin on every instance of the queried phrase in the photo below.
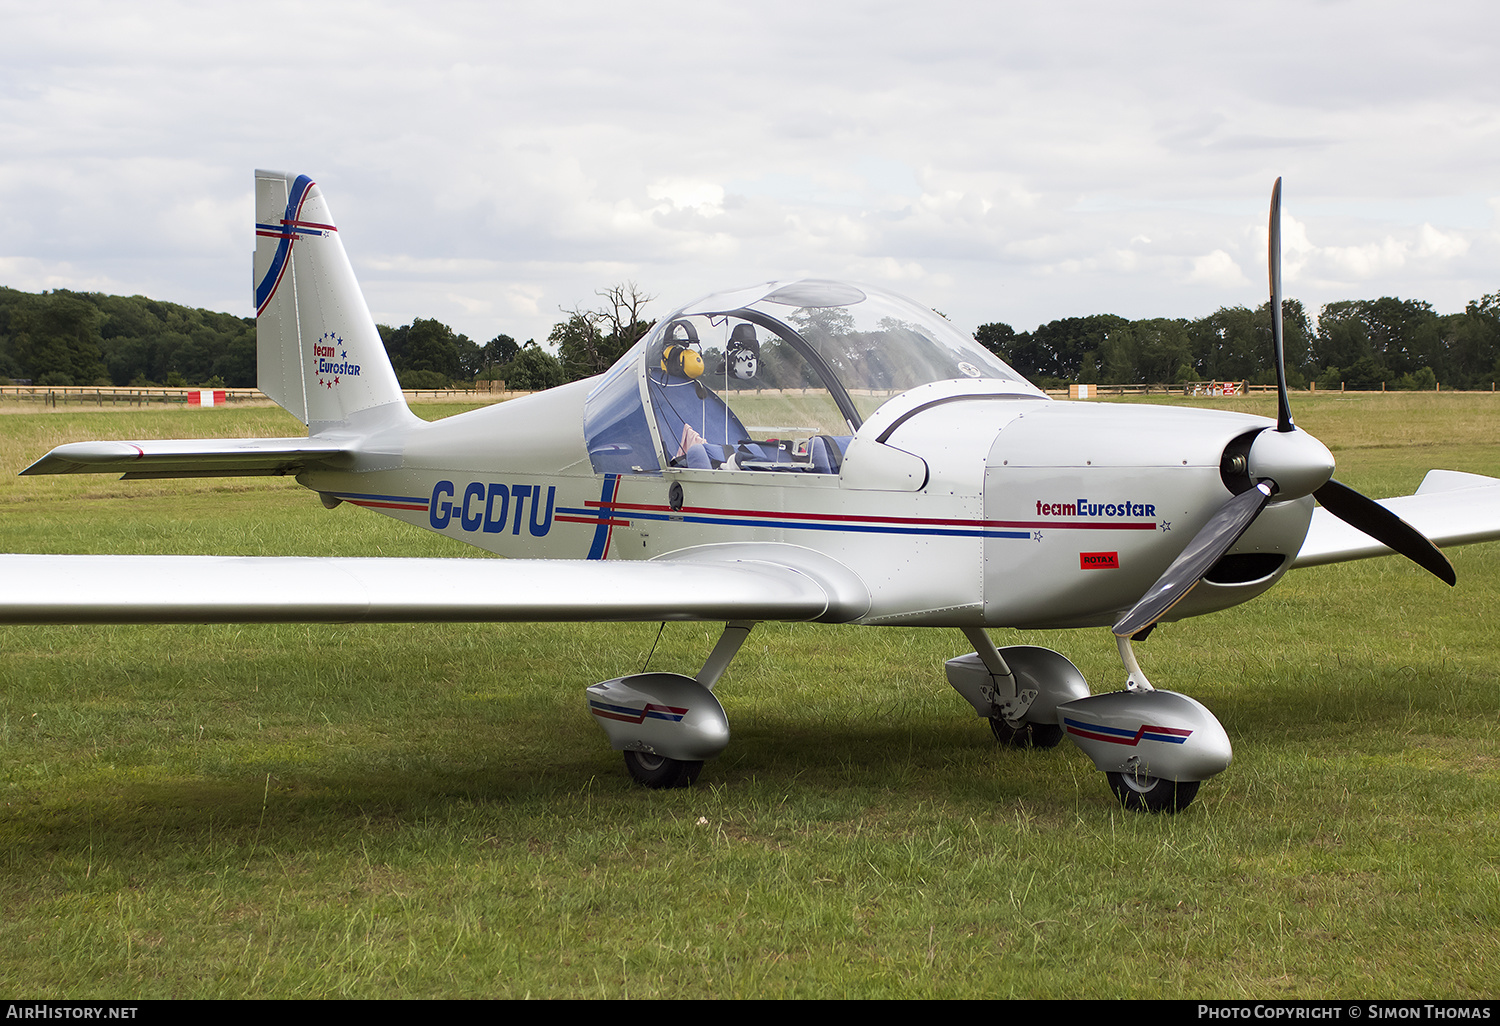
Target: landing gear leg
(727, 647)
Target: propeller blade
(1294, 458)
(1385, 527)
(1223, 529)
(1278, 338)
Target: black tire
(1152, 794)
(1027, 735)
(659, 772)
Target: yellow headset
(680, 357)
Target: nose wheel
(1152, 794)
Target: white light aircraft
(798, 450)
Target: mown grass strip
(425, 811)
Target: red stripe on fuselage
(626, 507)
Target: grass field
(426, 811)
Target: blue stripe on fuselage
(601, 533)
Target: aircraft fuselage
(1001, 489)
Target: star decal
(327, 342)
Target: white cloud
(1217, 268)
(702, 197)
(30, 275)
(1363, 262)
(1433, 244)
(489, 164)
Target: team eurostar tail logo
(331, 360)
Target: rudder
(318, 353)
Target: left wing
(1449, 507)
(709, 584)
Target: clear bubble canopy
(869, 339)
(782, 361)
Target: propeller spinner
(1286, 463)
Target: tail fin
(319, 355)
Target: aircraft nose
(1297, 462)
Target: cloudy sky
(490, 163)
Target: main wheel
(657, 771)
(1152, 794)
(1027, 735)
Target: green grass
(426, 811)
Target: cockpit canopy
(776, 376)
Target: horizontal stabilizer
(46, 589)
(188, 457)
(1450, 508)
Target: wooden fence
(92, 395)
(103, 395)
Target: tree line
(429, 354)
(1361, 343)
(88, 338)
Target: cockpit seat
(682, 403)
(826, 453)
